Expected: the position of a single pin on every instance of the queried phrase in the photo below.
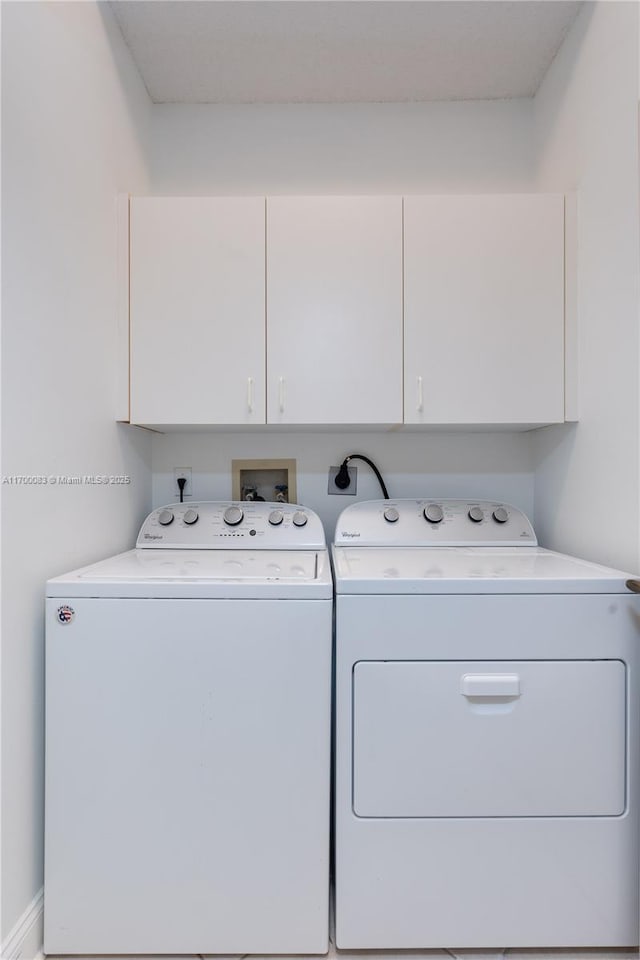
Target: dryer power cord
(343, 480)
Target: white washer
(188, 738)
(486, 734)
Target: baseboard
(24, 941)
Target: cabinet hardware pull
(250, 394)
(420, 396)
(281, 394)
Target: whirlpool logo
(348, 535)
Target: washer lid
(204, 574)
(491, 570)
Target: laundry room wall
(586, 130)
(481, 465)
(455, 147)
(74, 123)
(342, 148)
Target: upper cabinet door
(484, 309)
(334, 310)
(197, 310)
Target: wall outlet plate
(351, 490)
(182, 472)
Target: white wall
(495, 466)
(74, 122)
(345, 149)
(586, 116)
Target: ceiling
(328, 51)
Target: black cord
(182, 482)
(342, 479)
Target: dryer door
(489, 738)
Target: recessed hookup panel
(271, 480)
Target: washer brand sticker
(65, 614)
(347, 533)
(153, 536)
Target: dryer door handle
(490, 685)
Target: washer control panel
(214, 525)
(431, 523)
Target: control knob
(165, 517)
(299, 519)
(476, 514)
(233, 516)
(500, 515)
(276, 517)
(391, 515)
(191, 516)
(434, 513)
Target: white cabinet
(298, 319)
(334, 310)
(484, 309)
(197, 310)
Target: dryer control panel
(436, 522)
(211, 525)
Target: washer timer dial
(233, 516)
(434, 513)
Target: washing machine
(188, 717)
(486, 734)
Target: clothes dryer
(486, 734)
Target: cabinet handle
(420, 396)
(250, 394)
(281, 394)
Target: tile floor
(334, 954)
(450, 954)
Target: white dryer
(188, 689)
(486, 734)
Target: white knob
(299, 518)
(165, 517)
(500, 515)
(191, 516)
(391, 514)
(434, 513)
(476, 514)
(233, 516)
(276, 517)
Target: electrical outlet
(349, 491)
(182, 472)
